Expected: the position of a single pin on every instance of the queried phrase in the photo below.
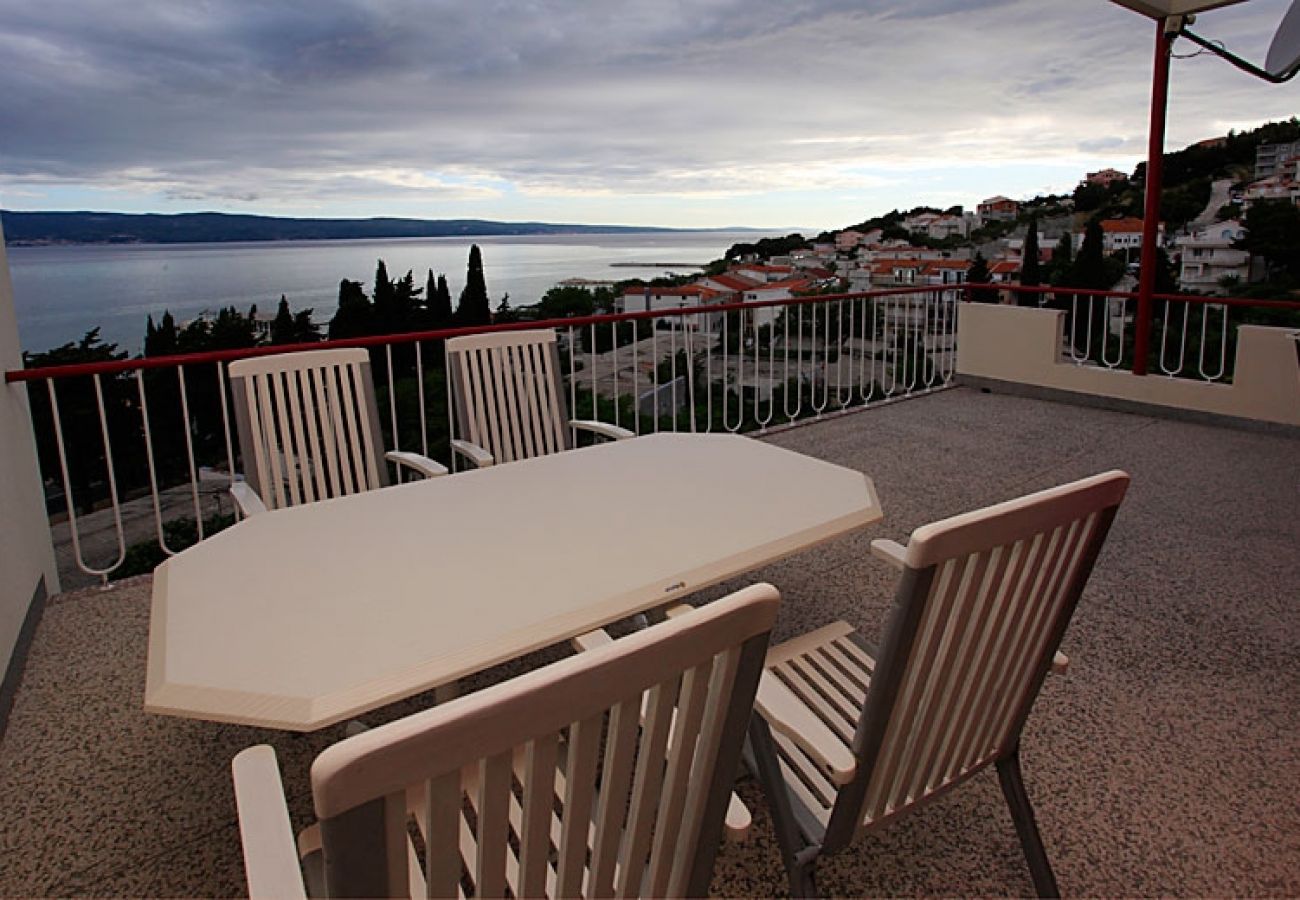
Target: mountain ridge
(36, 228)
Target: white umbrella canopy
(1163, 9)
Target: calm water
(60, 292)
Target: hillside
(28, 228)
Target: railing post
(1154, 178)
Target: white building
(1208, 256)
(656, 299)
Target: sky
(685, 113)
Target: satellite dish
(1284, 53)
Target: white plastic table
(302, 617)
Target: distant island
(41, 228)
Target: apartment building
(1268, 157)
(1208, 257)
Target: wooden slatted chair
(309, 430)
(508, 395)
(545, 785)
(847, 739)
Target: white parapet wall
(1023, 345)
(26, 552)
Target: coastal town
(941, 249)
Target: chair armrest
(1060, 663)
(422, 464)
(591, 640)
(891, 552)
(270, 859)
(787, 714)
(474, 453)
(246, 499)
(613, 432)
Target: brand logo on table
(674, 587)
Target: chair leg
(1022, 813)
(799, 858)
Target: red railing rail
(1133, 295)
(45, 373)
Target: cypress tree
(282, 327)
(474, 308)
(1063, 259)
(979, 274)
(442, 306)
(387, 315)
(1029, 276)
(355, 315)
(1089, 270)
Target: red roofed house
(946, 271)
(727, 282)
(649, 298)
(762, 273)
(777, 290)
(1106, 177)
(998, 209)
(1121, 234)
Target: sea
(60, 292)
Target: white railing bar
(154, 493)
(618, 411)
(419, 386)
(1223, 341)
(225, 426)
(1182, 343)
(392, 410)
(189, 450)
(67, 484)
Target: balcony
(1160, 763)
(1163, 762)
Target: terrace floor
(1165, 762)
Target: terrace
(1163, 762)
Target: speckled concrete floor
(1165, 762)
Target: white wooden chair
(509, 398)
(309, 430)
(545, 785)
(846, 739)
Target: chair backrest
(980, 610)
(509, 394)
(548, 784)
(308, 427)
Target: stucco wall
(26, 552)
(1023, 345)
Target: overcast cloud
(668, 112)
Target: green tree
(979, 274)
(355, 314)
(1062, 259)
(1089, 196)
(160, 341)
(505, 312)
(441, 306)
(232, 330)
(293, 328)
(282, 331)
(566, 302)
(1090, 269)
(473, 308)
(1273, 233)
(1029, 275)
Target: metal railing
(143, 453)
(1193, 337)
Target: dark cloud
(323, 102)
